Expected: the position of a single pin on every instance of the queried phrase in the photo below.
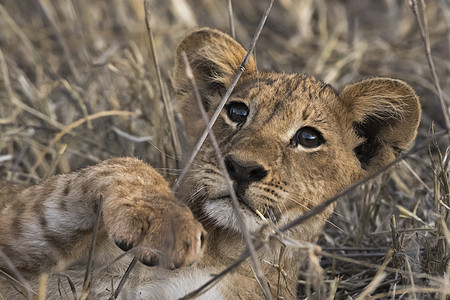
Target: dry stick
(408, 290)
(378, 278)
(167, 105)
(426, 42)
(17, 274)
(125, 277)
(26, 41)
(415, 175)
(413, 286)
(42, 287)
(71, 285)
(316, 210)
(438, 280)
(231, 19)
(225, 97)
(238, 214)
(37, 57)
(49, 17)
(319, 208)
(168, 109)
(72, 126)
(280, 259)
(88, 274)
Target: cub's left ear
(385, 114)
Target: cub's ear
(214, 58)
(385, 114)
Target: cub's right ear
(214, 58)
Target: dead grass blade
(422, 22)
(236, 209)
(319, 208)
(18, 276)
(227, 95)
(167, 105)
(231, 19)
(26, 41)
(316, 210)
(50, 18)
(434, 279)
(88, 273)
(74, 125)
(42, 289)
(125, 277)
(378, 278)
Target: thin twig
(167, 105)
(225, 97)
(125, 277)
(426, 42)
(71, 285)
(414, 173)
(135, 139)
(72, 126)
(88, 274)
(231, 19)
(280, 267)
(319, 208)
(17, 274)
(237, 212)
(411, 277)
(28, 44)
(378, 278)
(60, 38)
(365, 264)
(316, 210)
(42, 288)
(169, 115)
(219, 276)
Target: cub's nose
(244, 173)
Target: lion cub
(289, 142)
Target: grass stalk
(234, 201)
(227, 95)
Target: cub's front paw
(178, 238)
(167, 235)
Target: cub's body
(289, 142)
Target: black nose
(244, 173)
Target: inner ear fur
(214, 58)
(385, 114)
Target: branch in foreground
(426, 42)
(20, 279)
(167, 105)
(238, 214)
(225, 97)
(314, 211)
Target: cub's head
(289, 141)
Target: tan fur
(47, 228)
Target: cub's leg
(48, 226)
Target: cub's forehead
(287, 96)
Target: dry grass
(77, 85)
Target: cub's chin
(221, 213)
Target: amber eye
(308, 137)
(237, 112)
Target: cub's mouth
(255, 197)
(220, 210)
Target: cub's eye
(308, 137)
(237, 112)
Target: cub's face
(284, 149)
(288, 141)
